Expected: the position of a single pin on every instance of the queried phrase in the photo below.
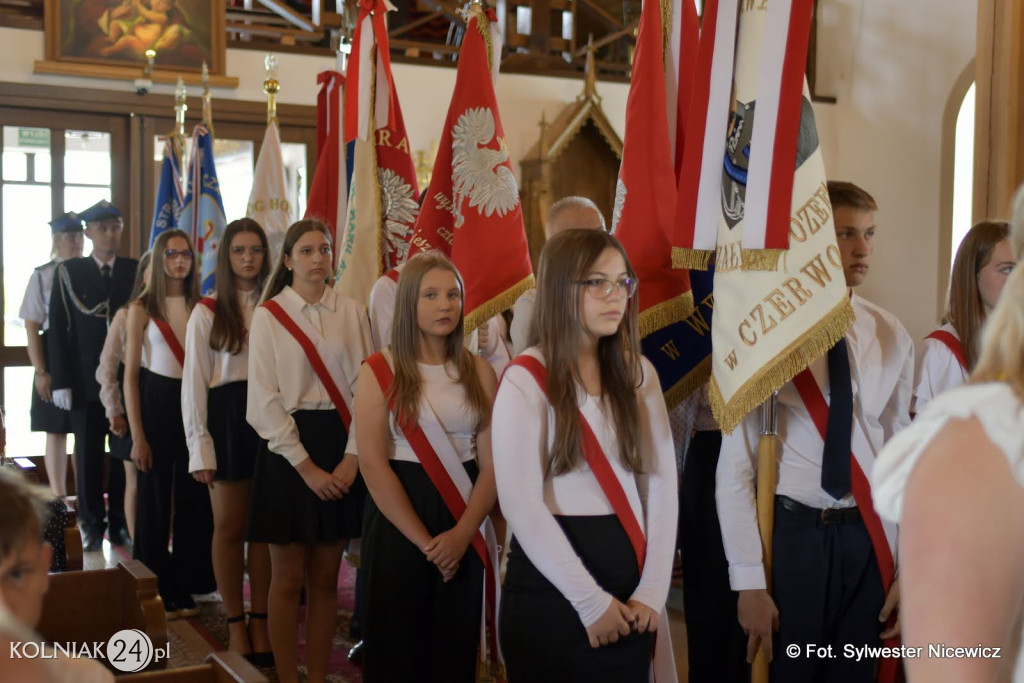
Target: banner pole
(767, 480)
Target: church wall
(891, 66)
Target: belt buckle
(830, 515)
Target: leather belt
(826, 515)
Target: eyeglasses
(171, 254)
(602, 289)
(241, 251)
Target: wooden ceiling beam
(283, 10)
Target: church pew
(220, 667)
(91, 606)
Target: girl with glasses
(154, 360)
(222, 446)
(586, 478)
(305, 348)
(423, 416)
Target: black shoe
(170, 610)
(92, 543)
(261, 659)
(355, 655)
(120, 537)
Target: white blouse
(157, 356)
(204, 370)
(448, 399)
(522, 436)
(281, 380)
(937, 370)
(110, 360)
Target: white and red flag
(472, 210)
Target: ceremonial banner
(170, 194)
(268, 200)
(472, 211)
(770, 324)
(203, 215)
(644, 211)
(328, 193)
(383, 194)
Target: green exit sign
(34, 137)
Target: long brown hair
(966, 311)
(281, 277)
(228, 332)
(140, 276)
(153, 296)
(557, 329)
(405, 338)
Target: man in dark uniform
(87, 292)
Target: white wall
(891, 65)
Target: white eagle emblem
(478, 172)
(620, 201)
(399, 211)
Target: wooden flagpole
(767, 480)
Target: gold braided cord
(691, 259)
(497, 304)
(664, 314)
(784, 367)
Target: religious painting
(183, 33)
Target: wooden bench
(220, 667)
(91, 606)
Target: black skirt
(435, 626)
(46, 417)
(541, 634)
(282, 509)
(234, 441)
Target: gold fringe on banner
(761, 259)
(693, 381)
(691, 259)
(483, 24)
(490, 671)
(785, 366)
(664, 314)
(496, 305)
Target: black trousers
(828, 589)
(168, 485)
(717, 645)
(89, 423)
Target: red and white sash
(392, 275)
(172, 340)
(325, 364)
(437, 455)
(862, 458)
(209, 302)
(663, 661)
(953, 344)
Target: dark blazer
(75, 338)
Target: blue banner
(170, 195)
(203, 214)
(681, 352)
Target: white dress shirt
(204, 370)
(110, 360)
(157, 356)
(882, 371)
(937, 370)
(281, 380)
(382, 313)
(35, 306)
(522, 319)
(522, 436)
